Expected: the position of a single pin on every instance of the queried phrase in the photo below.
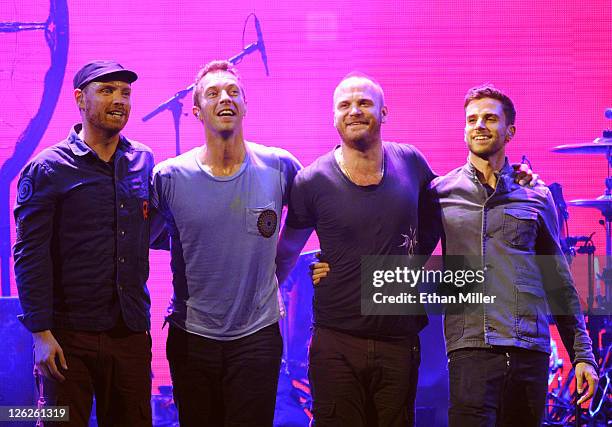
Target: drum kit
(560, 410)
(600, 146)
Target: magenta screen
(553, 58)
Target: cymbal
(603, 203)
(598, 146)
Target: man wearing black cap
(81, 258)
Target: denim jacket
(513, 236)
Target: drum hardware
(568, 243)
(587, 248)
(556, 190)
(602, 145)
(561, 408)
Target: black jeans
(362, 382)
(497, 387)
(225, 383)
(115, 366)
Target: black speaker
(17, 386)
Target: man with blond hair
(222, 203)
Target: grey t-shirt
(224, 232)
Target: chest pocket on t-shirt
(261, 221)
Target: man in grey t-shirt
(222, 203)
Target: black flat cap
(102, 70)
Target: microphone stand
(175, 106)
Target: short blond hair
(212, 67)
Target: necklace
(344, 168)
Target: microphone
(556, 190)
(261, 46)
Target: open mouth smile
(226, 112)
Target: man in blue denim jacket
(498, 353)
(81, 258)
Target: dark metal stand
(175, 106)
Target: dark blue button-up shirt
(81, 253)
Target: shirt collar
(470, 169)
(80, 148)
(504, 175)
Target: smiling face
(359, 111)
(220, 103)
(105, 105)
(486, 130)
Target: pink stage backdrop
(552, 57)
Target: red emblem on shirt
(145, 209)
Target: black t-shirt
(352, 221)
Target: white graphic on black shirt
(410, 241)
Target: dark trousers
(114, 365)
(362, 382)
(225, 383)
(497, 387)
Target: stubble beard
(364, 140)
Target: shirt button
(121, 205)
(122, 233)
(120, 287)
(121, 260)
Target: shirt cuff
(35, 323)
